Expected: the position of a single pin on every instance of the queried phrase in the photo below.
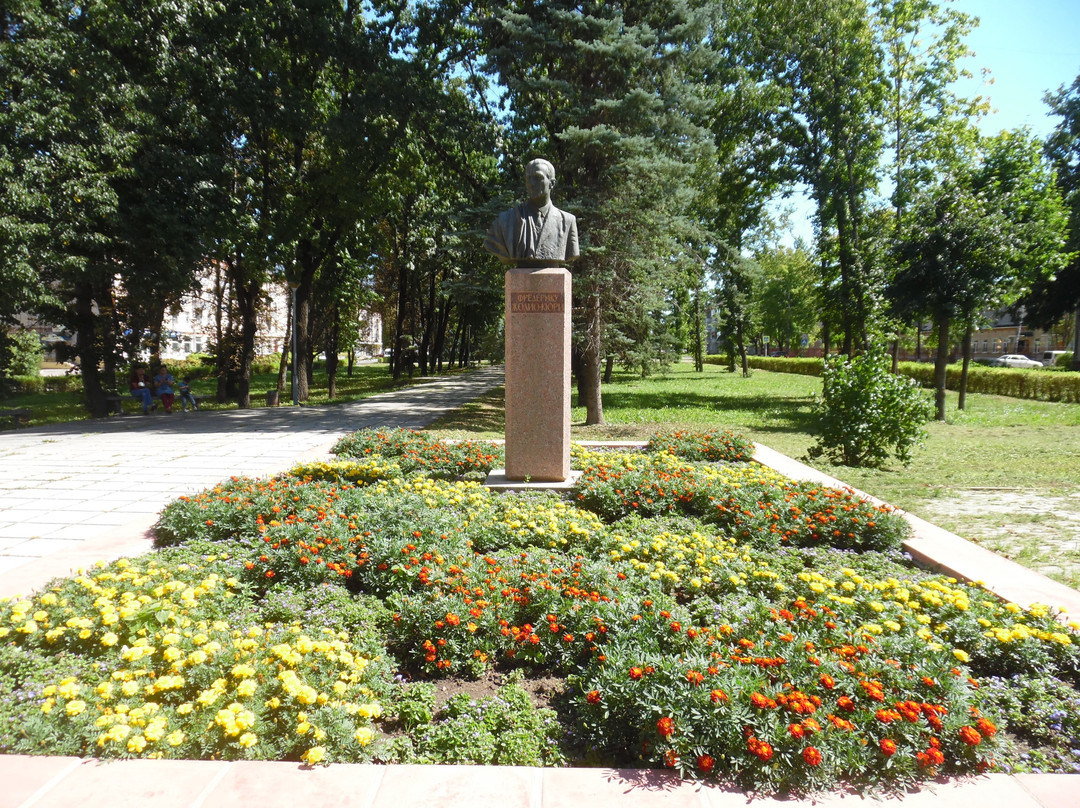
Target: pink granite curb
(33, 782)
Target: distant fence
(1041, 385)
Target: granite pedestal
(538, 309)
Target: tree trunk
(941, 364)
(283, 363)
(609, 368)
(591, 374)
(89, 352)
(247, 299)
(699, 348)
(332, 354)
(967, 361)
(896, 356)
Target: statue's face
(538, 184)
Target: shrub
(20, 353)
(867, 414)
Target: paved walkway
(76, 493)
(71, 494)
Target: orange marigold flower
(671, 759)
(796, 730)
(827, 681)
(593, 697)
(705, 763)
(718, 696)
(635, 673)
(845, 703)
(452, 619)
(666, 726)
(887, 746)
(812, 756)
(986, 727)
(695, 677)
(970, 736)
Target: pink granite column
(538, 374)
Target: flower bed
(709, 617)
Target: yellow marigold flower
(175, 738)
(155, 730)
(75, 707)
(961, 655)
(68, 689)
(371, 710)
(314, 755)
(185, 708)
(136, 744)
(364, 736)
(248, 740)
(303, 728)
(108, 639)
(247, 688)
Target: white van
(1049, 358)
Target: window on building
(997, 346)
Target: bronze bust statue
(534, 233)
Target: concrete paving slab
(474, 786)
(284, 785)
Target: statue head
(539, 180)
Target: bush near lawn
(313, 624)
(1041, 385)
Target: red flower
(718, 696)
(826, 681)
(796, 730)
(635, 673)
(760, 749)
(705, 763)
(666, 726)
(887, 746)
(593, 697)
(845, 703)
(986, 727)
(970, 736)
(812, 756)
(695, 677)
(671, 759)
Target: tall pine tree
(612, 94)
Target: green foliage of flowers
(750, 503)
(708, 444)
(695, 631)
(1043, 713)
(506, 729)
(414, 452)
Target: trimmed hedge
(1042, 385)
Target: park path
(71, 494)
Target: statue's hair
(549, 169)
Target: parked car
(1050, 358)
(777, 353)
(1014, 361)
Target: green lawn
(366, 380)
(1004, 472)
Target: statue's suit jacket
(510, 236)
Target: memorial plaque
(537, 303)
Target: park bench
(116, 401)
(19, 417)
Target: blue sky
(1029, 47)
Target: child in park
(184, 388)
(163, 387)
